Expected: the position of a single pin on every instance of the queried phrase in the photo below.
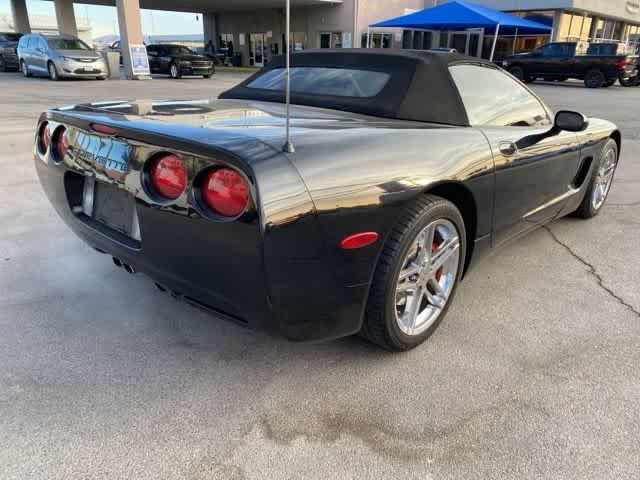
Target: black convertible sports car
(408, 168)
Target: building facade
(254, 29)
(259, 34)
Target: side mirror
(571, 121)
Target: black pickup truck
(562, 60)
(8, 55)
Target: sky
(105, 19)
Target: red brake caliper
(434, 247)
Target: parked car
(8, 52)
(59, 56)
(178, 60)
(409, 167)
(562, 60)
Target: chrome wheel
(429, 273)
(53, 73)
(25, 69)
(174, 71)
(604, 179)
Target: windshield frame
(177, 50)
(55, 44)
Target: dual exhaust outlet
(120, 264)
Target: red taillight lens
(225, 192)
(44, 137)
(60, 143)
(623, 63)
(168, 176)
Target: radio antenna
(288, 146)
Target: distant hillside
(109, 39)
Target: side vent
(583, 171)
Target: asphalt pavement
(534, 373)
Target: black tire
(594, 78)
(587, 208)
(380, 325)
(174, 71)
(3, 64)
(206, 76)
(609, 83)
(101, 78)
(518, 72)
(53, 72)
(24, 68)
(629, 82)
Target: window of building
(444, 40)
(574, 27)
(226, 40)
(377, 40)
(418, 40)
(331, 40)
(492, 97)
(335, 82)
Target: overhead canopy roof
(460, 15)
(202, 6)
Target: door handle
(508, 148)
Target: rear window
(67, 44)
(10, 37)
(335, 82)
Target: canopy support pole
(515, 40)
(368, 37)
(288, 146)
(495, 41)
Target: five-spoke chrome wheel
(604, 178)
(428, 275)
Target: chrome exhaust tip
(128, 268)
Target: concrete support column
(66, 17)
(20, 16)
(557, 21)
(210, 27)
(130, 30)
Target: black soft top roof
(420, 87)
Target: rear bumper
(230, 269)
(185, 255)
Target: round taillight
(44, 137)
(168, 176)
(225, 192)
(60, 143)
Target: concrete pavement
(533, 374)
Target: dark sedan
(408, 168)
(178, 60)
(8, 51)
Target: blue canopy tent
(461, 15)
